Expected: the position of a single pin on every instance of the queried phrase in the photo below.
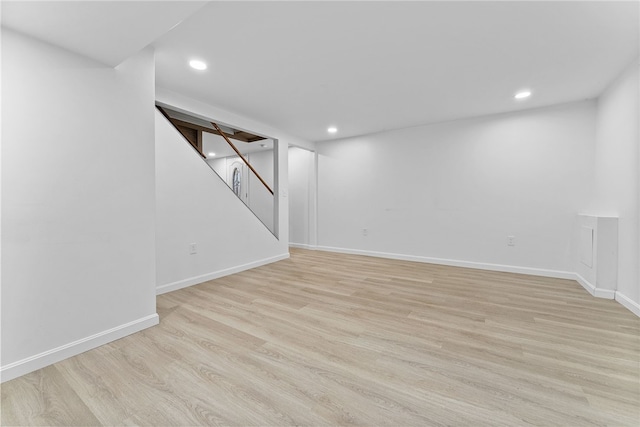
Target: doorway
(302, 197)
(238, 181)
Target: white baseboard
(33, 363)
(169, 287)
(455, 263)
(628, 303)
(302, 246)
(593, 290)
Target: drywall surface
(78, 265)
(457, 190)
(260, 199)
(195, 206)
(301, 196)
(616, 171)
(253, 192)
(219, 165)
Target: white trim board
(170, 287)
(628, 303)
(593, 290)
(622, 299)
(49, 357)
(455, 263)
(302, 246)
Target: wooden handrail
(242, 157)
(175, 123)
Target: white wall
(77, 202)
(301, 197)
(453, 192)
(219, 164)
(617, 185)
(194, 205)
(260, 199)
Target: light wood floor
(328, 339)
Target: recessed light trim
(332, 129)
(211, 154)
(196, 64)
(522, 94)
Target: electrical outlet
(365, 232)
(511, 240)
(193, 249)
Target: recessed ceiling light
(332, 129)
(211, 154)
(197, 65)
(523, 94)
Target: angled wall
(281, 139)
(78, 264)
(195, 206)
(234, 239)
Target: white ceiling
(361, 66)
(107, 31)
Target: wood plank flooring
(329, 339)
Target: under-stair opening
(244, 160)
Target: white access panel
(597, 260)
